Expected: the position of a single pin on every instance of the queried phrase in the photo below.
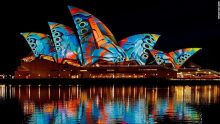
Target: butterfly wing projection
(137, 46)
(41, 44)
(93, 43)
(162, 57)
(101, 54)
(103, 28)
(106, 46)
(66, 43)
(87, 40)
(182, 55)
(109, 53)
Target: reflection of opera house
(114, 104)
(93, 52)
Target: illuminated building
(93, 52)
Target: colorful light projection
(95, 45)
(66, 43)
(162, 57)
(182, 55)
(41, 45)
(121, 105)
(102, 27)
(137, 46)
(177, 58)
(94, 42)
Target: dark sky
(188, 23)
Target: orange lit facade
(39, 69)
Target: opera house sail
(92, 47)
(97, 42)
(137, 47)
(66, 44)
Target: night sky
(188, 23)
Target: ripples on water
(110, 104)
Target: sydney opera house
(93, 52)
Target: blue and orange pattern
(66, 42)
(106, 46)
(162, 57)
(103, 28)
(137, 46)
(87, 40)
(182, 55)
(109, 52)
(94, 44)
(40, 44)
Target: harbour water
(77, 103)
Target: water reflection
(111, 104)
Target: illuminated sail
(107, 50)
(101, 54)
(182, 55)
(87, 40)
(94, 44)
(41, 45)
(162, 57)
(137, 46)
(113, 54)
(103, 28)
(66, 43)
